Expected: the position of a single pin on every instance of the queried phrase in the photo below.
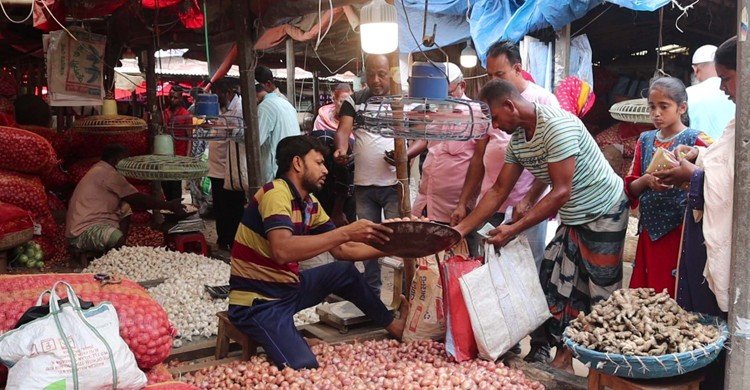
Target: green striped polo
(558, 136)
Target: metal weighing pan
(413, 239)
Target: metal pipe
(290, 70)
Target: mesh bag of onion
(143, 322)
(25, 152)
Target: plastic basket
(633, 111)
(652, 367)
(158, 167)
(109, 124)
(432, 119)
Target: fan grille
(634, 111)
(431, 119)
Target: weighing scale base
(343, 315)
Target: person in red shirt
(176, 109)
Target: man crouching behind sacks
(282, 225)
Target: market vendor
(284, 224)
(99, 211)
(583, 263)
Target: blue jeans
(271, 323)
(372, 203)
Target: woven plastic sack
(504, 298)
(70, 348)
(235, 176)
(426, 319)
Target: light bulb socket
(378, 11)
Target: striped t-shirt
(558, 136)
(254, 274)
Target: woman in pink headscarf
(575, 96)
(328, 115)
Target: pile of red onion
(384, 364)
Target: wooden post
(246, 56)
(290, 71)
(402, 165)
(316, 92)
(151, 99)
(562, 55)
(738, 358)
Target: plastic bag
(70, 348)
(235, 176)
(663, 159)
(459, 337)
(425, 319)
(504, 298)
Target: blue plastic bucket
(207, 104)
(428, 81)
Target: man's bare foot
(396, 327)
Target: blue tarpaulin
(492, 20)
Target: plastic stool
(193, 242)
(228, 332)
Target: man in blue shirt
(277, 119)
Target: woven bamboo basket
(15, 239)
(159, 167)
(633, 111)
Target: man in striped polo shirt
(282, 225)
(583, 263)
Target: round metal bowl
(412, 239)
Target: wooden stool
(227, 332)
(599, 380)
(188, 242)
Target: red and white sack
(70, 348)
(425, 319)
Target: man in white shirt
(709, 108)
(228, 205)
(375, 185)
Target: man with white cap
(709, 108)
(446, 160)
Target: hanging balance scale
(426, 113)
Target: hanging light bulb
(378, 29)
(468, 56)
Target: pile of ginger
(640, 322)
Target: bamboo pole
(246, 55)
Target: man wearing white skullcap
(456, 83)
(709, 108)
(446, 160)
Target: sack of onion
(383, 364)
(25, 152)
(144, 325)
(641, 334)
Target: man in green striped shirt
(583, 263)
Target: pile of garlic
(182, 295)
